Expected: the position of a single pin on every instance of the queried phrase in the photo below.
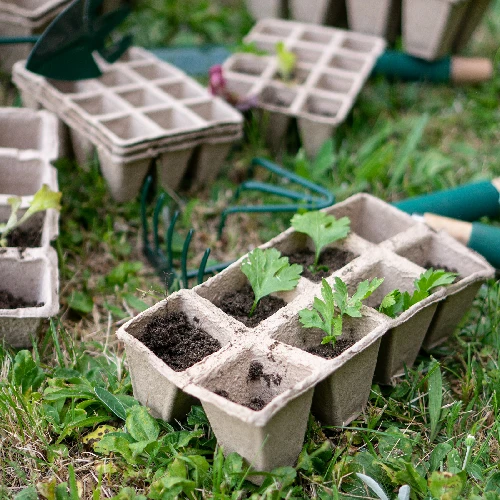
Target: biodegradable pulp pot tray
(332, 67)
(25, 18)
(430, 27)
(29, 141)
(139, 109)
(295, 380)
(376, 17)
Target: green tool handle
(469, 202)
(401, 66)
(486, 241)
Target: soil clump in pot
(238, 305)
(9, 301)
(329, 351)
(177, 341)
(25, 238)
(330, 260)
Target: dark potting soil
(331, 258)
(328, 351)
(177, 341)
(238, 305)
(25, 238)
(9, 301)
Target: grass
(400, 140)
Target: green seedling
(286, 62)
(323, 229)
(43, 199)
(269, 272)
(397, 302)
(328, 314)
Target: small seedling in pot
(396, 302)
(268, 272)
(328, 314)
(323, 229)
(286, 62)
(43, 199)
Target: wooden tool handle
(460, 230)
(471, 70)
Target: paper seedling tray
(29, 141)
(332, 67)
(24, 18)
(336, 390)
(139, 109)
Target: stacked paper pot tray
(24, 18)
(29, 141)
(139, 109)
(270, 361)
(332, 67)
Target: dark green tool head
(66, 49)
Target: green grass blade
(435, 398)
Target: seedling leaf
(432, 279)
(286, 61)
(322, 228)
(268, 272)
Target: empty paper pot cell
(277, 97)
(28, 294)
(333, 82)
(258, 403)
(173, 119)
(401, 344)
(78, 87)
(162, 343)
(101, 104)
(239, 87)
(358, 44)
(316, 36)
(373, 219)
(306, 55)
(273, 28)
(183, 90)
(141, 98)
(248, 64)
(431, 26)
(350, 364)
(215, 111)
(323, 107)
(440, 251)
(130, 127)
(25, 129)
(116, 78)
(264, 43)
(25, 177)
(347, 63)
(231, 292)
(133, 56)
(154, 71)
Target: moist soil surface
(177, 341)
(25, 238)
(9, 301)
(331, 258)
(328, 351)
(255, 373)
(238, 305)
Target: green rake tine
(185, 249)
(203, 265)
(216, 268)
(270, 189)
(170, 235)
(144, 218)
(156, 216)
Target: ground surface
(400, 140)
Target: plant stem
(255, 302)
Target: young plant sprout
(327, 314)
(286, 62)
(269, 272)
(396, 302)
(43, 199)
(322, 228)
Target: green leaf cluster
(43, 199)
(268, 272)
(327, 314)
(396, 302)
(286, 61)
(322, 228)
